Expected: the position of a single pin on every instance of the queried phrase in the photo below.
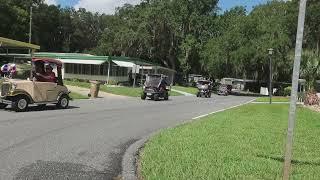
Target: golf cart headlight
(14, 86)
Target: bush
(113, 82)
(287, 91)
(75, 80)
(311, 98)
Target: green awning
(74, 58)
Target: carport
(10, 44)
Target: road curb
(298, 103)
(129, 160)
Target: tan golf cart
(21, 93)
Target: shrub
(75, 80)
(287, 91)
(311, 98)
(113, 82)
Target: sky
(108, 6)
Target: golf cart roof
(154, 80)
(48, 60)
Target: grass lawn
(191, 90)
(274, 99)
(74, 95)
(124, 91)
(242, 143)
(76, 83)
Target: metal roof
(136, 61)
(79, 58)
(124, 63)
(72, 56)
(6, 43)
(81, 61)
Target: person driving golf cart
(155, 87)
(43, 72)
(37, 90)
(204, 88)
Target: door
(45, 91)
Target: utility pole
(295, 81)
(30, 27)
(270, 75)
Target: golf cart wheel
(2, 106)
(166, 96)
(143, 96)
(156, 97)
(198, 94)
(63, 102)
(20, 104)
(209, 95)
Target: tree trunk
(171, 54)
(318, 47)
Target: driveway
(88, 140)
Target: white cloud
(104, 6)
(51, 2)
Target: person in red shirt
(49, 75)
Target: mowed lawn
(191, 90)
(274, 99)
(123, 91)
(242, 143)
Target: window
(69, 68)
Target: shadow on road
(72, 171)
(60, 171)
(40, 108)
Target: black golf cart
(204, 88)
(155, 87)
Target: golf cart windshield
(153, 80)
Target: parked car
(204, 88)
(224, 89)
(155, 87)
(36, 90)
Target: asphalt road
(88, 140)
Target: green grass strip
(242, 143)
(274, 99)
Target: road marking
(204, 115)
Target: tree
(310, 68)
